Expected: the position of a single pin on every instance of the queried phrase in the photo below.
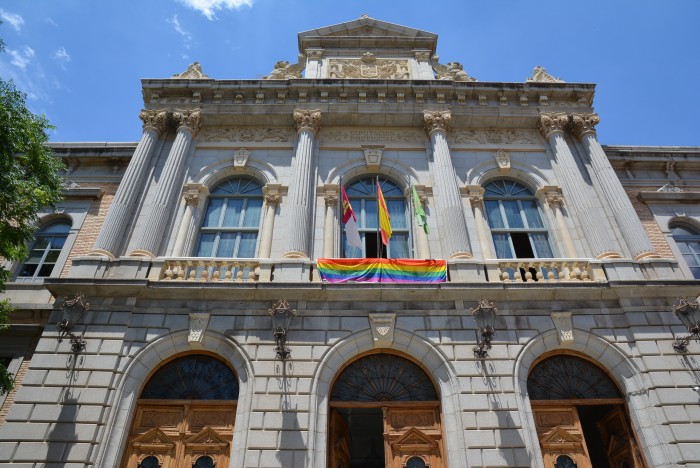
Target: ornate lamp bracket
(73, 311)
(282, 316)
(689, 313)
(484, 314)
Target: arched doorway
(184, 416)
(384, 412)
(580, 415)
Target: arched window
(149, 462)
(688, 241)
(45, 250)
(515, 221)
(363, 198)
(232, 220)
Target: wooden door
(620, 446)
(339, 441)
(561, 436)
(179, 434)
(413, 437)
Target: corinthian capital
(307, 120)
(437, 120)
(582, 124)
(552, 122)
(191, 120)
(153, 120)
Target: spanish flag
(384, 219)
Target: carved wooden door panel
(340, 441)
(171, 436)
(561, 437)
(620, 446)
(413, 437)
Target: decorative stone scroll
(307, 119)
(452, 71)
(369, 67)
(564, 325)
(240, 158)
(582, 124)
(552, 122)
(495, 137)
(191, 120)
(284, 71)
(156, 120)
(502, 158)
(193, 72)
(198, 327)
(248, 134)
(373, 156)
(382, 326)
(437, 120)
(540, 75)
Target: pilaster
(272, 195)
(476, 198)
(331, 201)
(193, 195)
(554, 200)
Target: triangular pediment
(415, 438)
(559, 435)
(207, 436)
(153, 438)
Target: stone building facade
(183, 242)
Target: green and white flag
(421, 217)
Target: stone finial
(155, 120)
(552, 122)
(191, 120)
(193, 72)
(583, 124)
(540, 75)
(284, 70)
(193, 193)
(436, 120)
(452, 71)
(307, 120)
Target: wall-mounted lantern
(689, 313)
(73, 311)
(485, 316)
(282, 316)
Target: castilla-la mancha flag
(384, 219)
(350, 222)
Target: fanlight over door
(185, 416)
(384, 413)
(580, 416)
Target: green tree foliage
(29, 180)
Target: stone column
(448, 200)
(583, 128)
(153, 229)
(421, 237)
(193, 195)
(552, 126)
(331, 199)
(131, 186)
(271, 194)
(555, 202)
(476, 197)
(308, 123)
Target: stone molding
(154, 120)
(193, 193)
(436, 120)
(583, 124)
(190, 120)
(382, 326)
(552, 122)
(307, 120)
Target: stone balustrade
(545, 270)
(225, 270)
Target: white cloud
(16, 21)
(21, 58)
(51, 22)
(62, 57)
(209, 7)
(186, 35)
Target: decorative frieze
(246, 134)
(307, 119)
(372, 136)
(436, 120)
(369, 67)
(154, 120)
(495, 137)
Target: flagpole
(379, 235)
(340, 217)
(413, 220)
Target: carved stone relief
(382, 326)
(371, 136)
(503, 160)
(373, 156)
(495, 137)
(369, 67)
(198, 326)
(240, 158)
(254, 134)
(194, 71)
(284, 71)
(669, 188)
(540, 75)
(564, 325)
(452, 71)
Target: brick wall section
(87, 236)
(21, 372)
(658, 241)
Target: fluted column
(153, 229)
(448, 199)
(421, 237)
(193, 195)
(272, 199)
(552, 126)
(308, 122)
(583, 127)
(555, 202)
(331, 199)
(476, 197)
(131, 185)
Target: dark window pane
(45, 270)
(204, 462)
(194, 377)
(149, 462)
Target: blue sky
(81, 61)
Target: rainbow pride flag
(382, 270)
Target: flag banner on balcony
(382, 270)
